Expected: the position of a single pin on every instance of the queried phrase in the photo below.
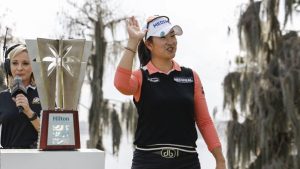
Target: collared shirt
(30, 86)
(27, 87)
(17, 130)
(129, 83)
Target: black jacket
(17, 130)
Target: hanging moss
(265, 93)
(116, 131)
(92, 21)
(129, 117)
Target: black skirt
(155, 160)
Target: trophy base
(59, 130)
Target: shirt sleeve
(128, 82)
(202, 117)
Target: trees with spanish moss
(263, 94)
(95, 19)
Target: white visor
(160, 27)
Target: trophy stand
(59, 130)
(59, 68)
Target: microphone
(18, 88)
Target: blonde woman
(19, 128)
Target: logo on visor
(160, 23)
(162, 34)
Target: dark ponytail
(144, 53)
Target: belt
(167, 152)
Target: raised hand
(134, 30)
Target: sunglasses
(150, 19)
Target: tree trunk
(97, 106)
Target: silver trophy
(59, 68)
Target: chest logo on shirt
(183, 79)
(36, 100)
(153, 79)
